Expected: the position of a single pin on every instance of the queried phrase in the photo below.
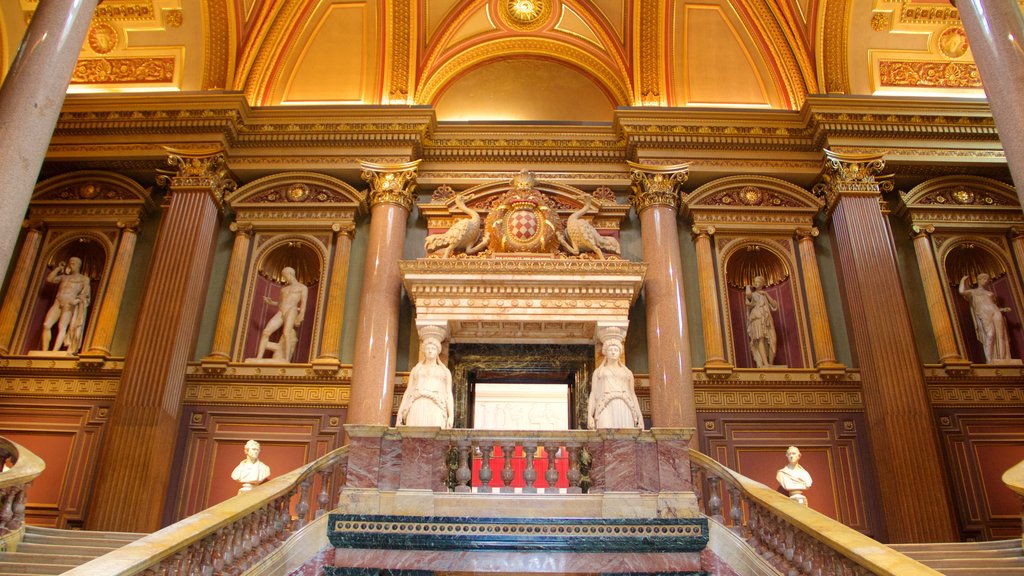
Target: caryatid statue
(428, 400)
(613, 402)
(70, 307)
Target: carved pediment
(91, 186)
(296, 199)
(746, 201)
(961, 201)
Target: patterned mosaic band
(518, 534)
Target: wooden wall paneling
(66, 434)
(834, 453)
(980, 445)
(212, 437)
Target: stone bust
(792, 477)
(250, 471)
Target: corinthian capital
(656, 185)
(857, 174)
(391, 183)
(205, 169)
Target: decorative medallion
(962, 196)
(102, 38)
(523, 220)
(88, 191)
(751, 195)
(524, 15)
(952, 42)
(297, 193)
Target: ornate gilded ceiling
(549, 60)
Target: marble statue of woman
(250, 472)
(612, 402)
(760, 327)
(428, 401)
(69, 307)
(290, 309)
(793, 478)
(989, 322)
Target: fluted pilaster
(135, 460)
(103, 335)
(938, 307)
(375, 359)
(17, 288)
(656, 199)
(710, 305)
(334, 318)
(227, 316)
(821, 332)
(912, 482)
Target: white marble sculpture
(989, 321)
(760, 326)
(250, 472)
(428, 400)
(70, 307)
(290, 309)
(613, 402)
(581, 236)
(793, 478)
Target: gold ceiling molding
(219, 36)
(614, 81)
(928, 74)
(649, 57)
(401, 51)
(788, 51)
(833, 44)
(265, 46)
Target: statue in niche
(989, 321)
(462, 235)
(613, 402)
(428, 401)
(290, 310)
(250, 472)
(760, 326)
(69, 308)
(793, 478)
(583, 237)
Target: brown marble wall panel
(66, 435)
(518, 562)
(980, 445)
(835, 453)
(211, 441)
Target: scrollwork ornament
(391, 183)
(205, 169)
(656, 185)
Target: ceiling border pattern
(834, 43)
(219, 39)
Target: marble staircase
(55, 551)
(996, 558)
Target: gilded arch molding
(787, 52)
(219, 37)
(833, 41)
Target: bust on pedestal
(793, 478)
(250, 472)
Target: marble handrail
(1014, 480)
(232, 536)
(790, 536)
(14, 483)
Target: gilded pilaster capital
(36, 225)
(1016, 232)
(656, 185)
(340, 229)
(206, 170)
(241, 228)
(917, 231)
(129, 225)
(391, 183)
(703, 231)
(806, 233)
(852, 174)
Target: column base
(92, 359)
(956, 366)
(831, 370)
(214, 364)
(718, 370)
(326, 366)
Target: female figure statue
(760, 327)
(612, 402)
(989, 322)
(428, 401)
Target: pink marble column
(995, 30)
(656, 200)
(30, 102)
(374, 362)
(18, 287)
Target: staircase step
(980, 566)
(91, 551)
(21, 568)
(74, 541)
(97, 534)
(975, 571)
(974, 554)
(34, 558)
(988, 545)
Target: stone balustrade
(791, 537)
(19, 468)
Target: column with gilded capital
(135, 461)
(821, 332)
(995, 30)
(710, 306)
(18, 287)
(912, 481)
(227, 316)
(656, 199)
(30, 101)
(938, 307)
(334, 318)
(376, 354)
(103, 335)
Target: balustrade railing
(229, 538)
(791, 537)
(1014, 480)
(19, 468)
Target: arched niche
(971, 258)
(300, 220)
(91, 215)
